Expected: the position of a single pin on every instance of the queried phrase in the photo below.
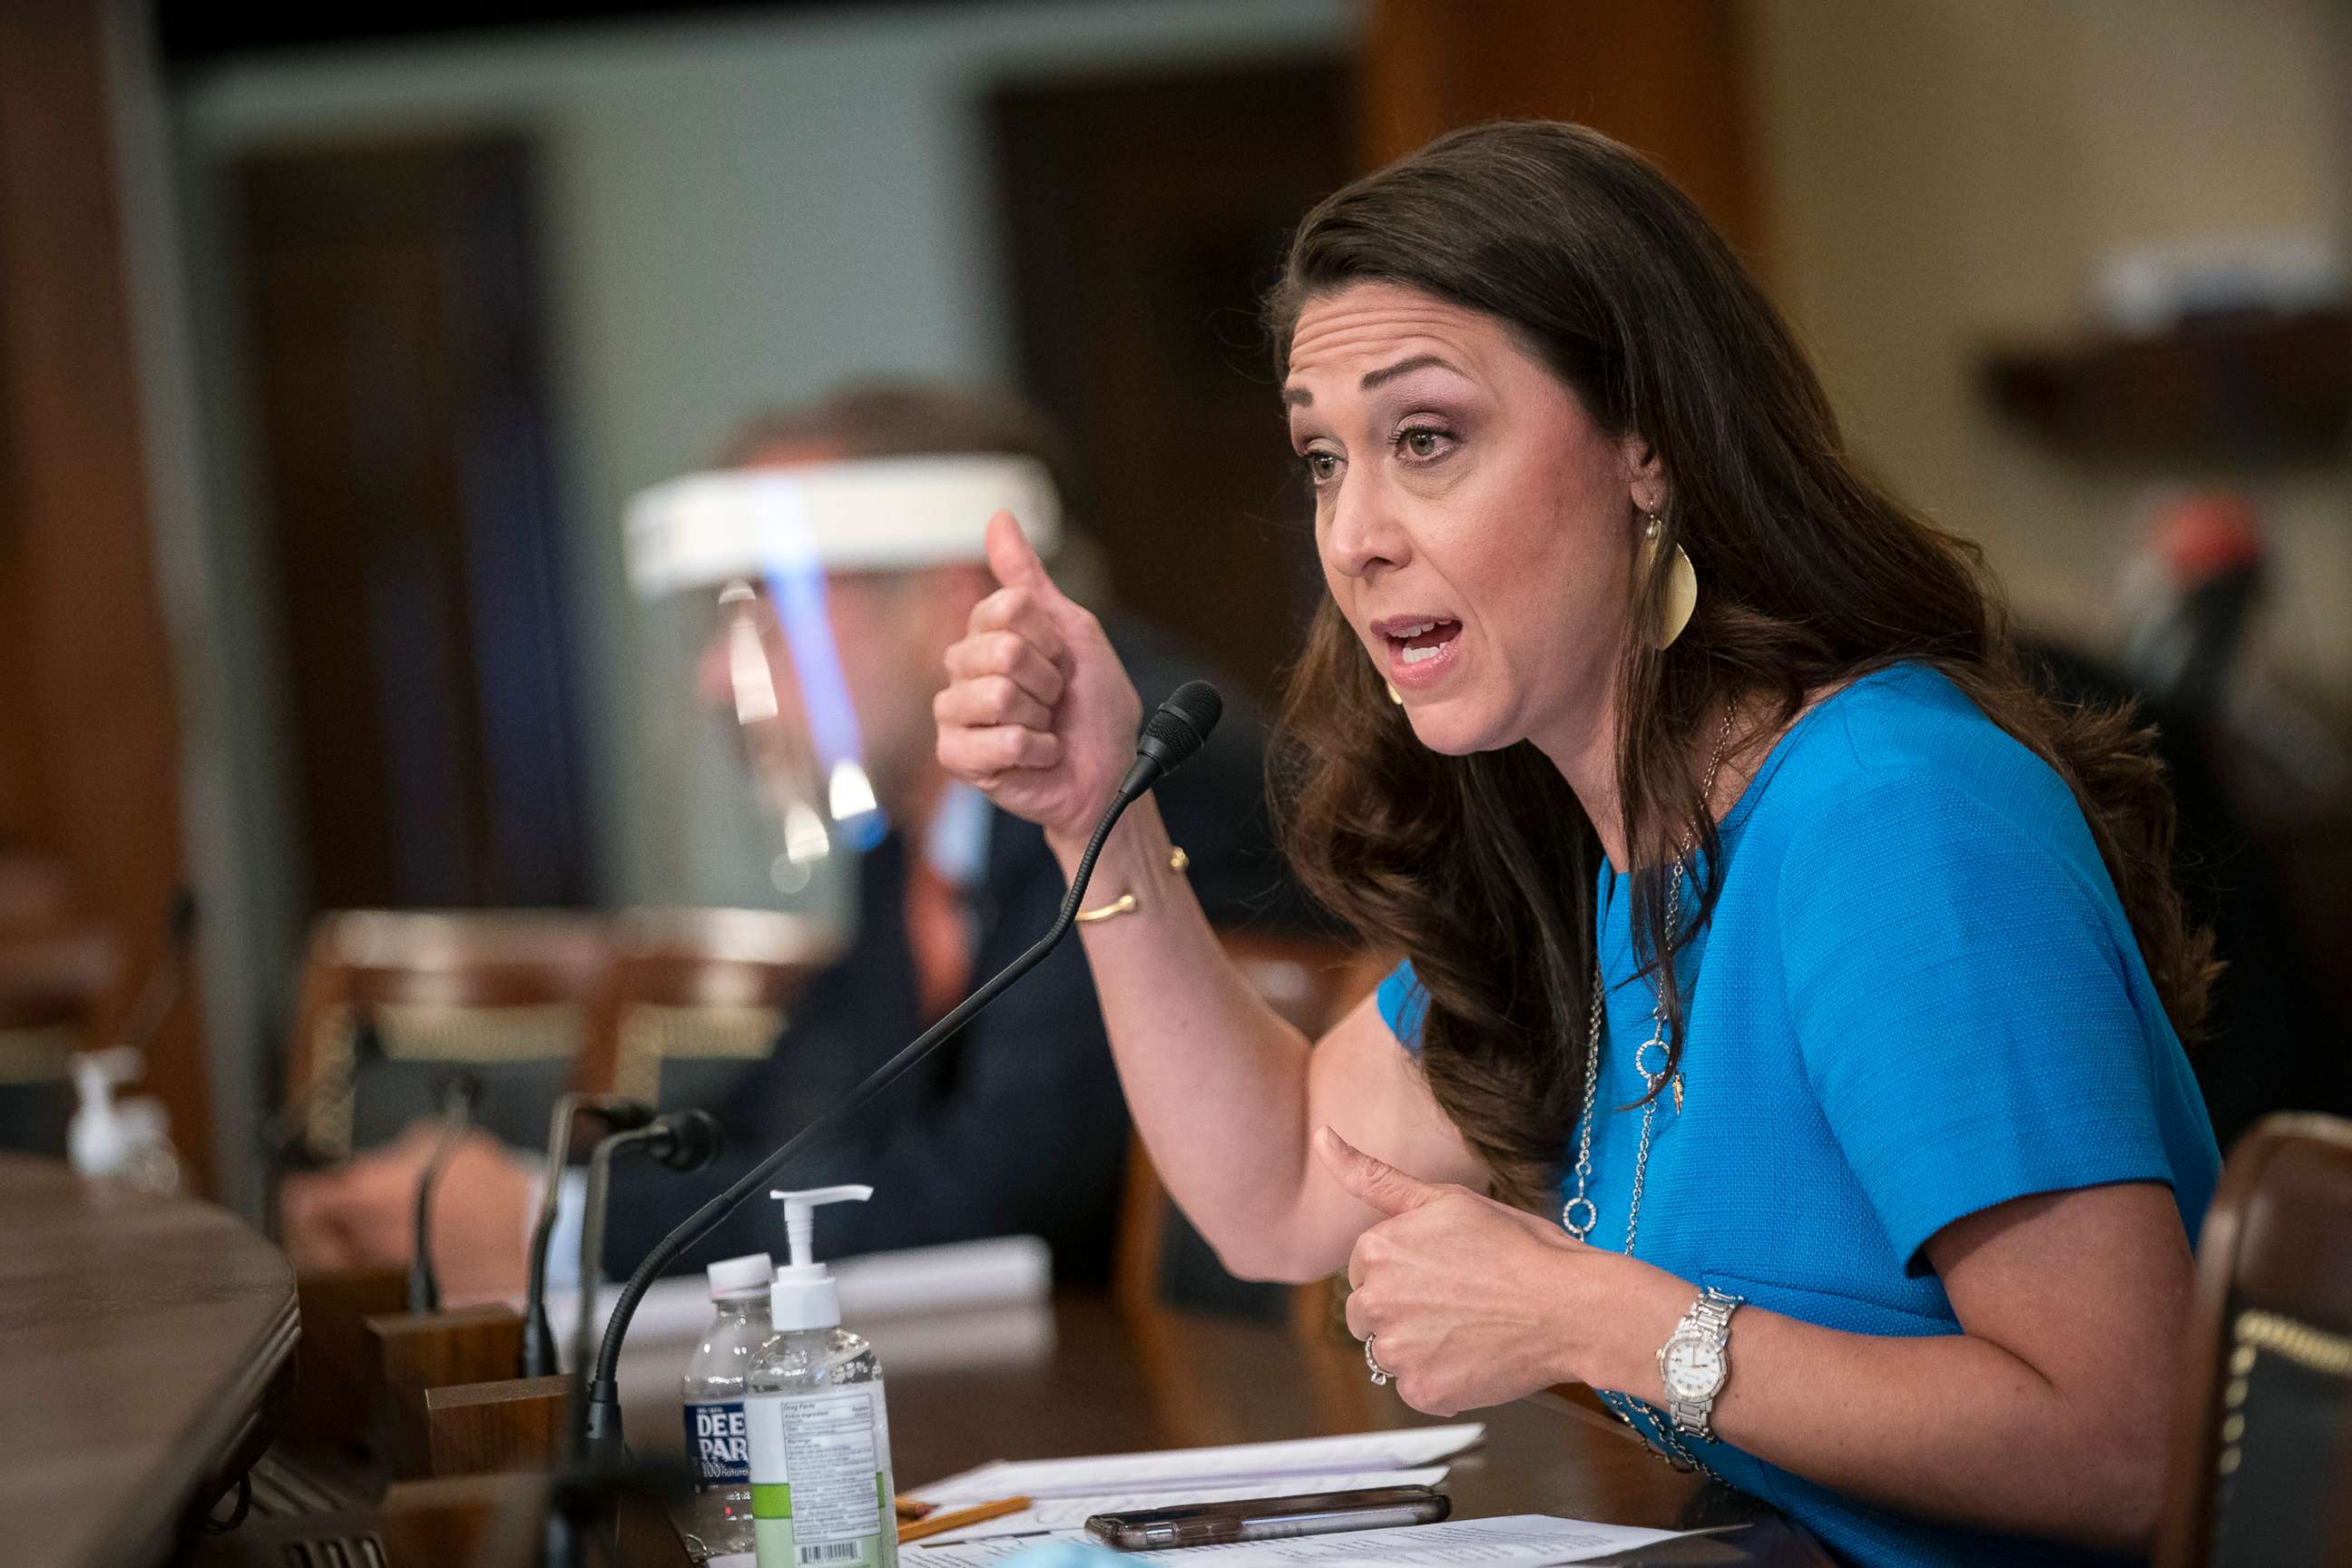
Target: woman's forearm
(1216, 1081)
(1948, 1426)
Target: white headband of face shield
(872, 515)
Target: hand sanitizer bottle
(718, 1523)
(820, 1443)
(127, 1139)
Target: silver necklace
(1578, 1216)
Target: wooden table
(142, 1334)
(1115, 1381)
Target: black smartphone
(1269, 1519)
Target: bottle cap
(731, 1278)
(803, 1295)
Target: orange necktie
(938, 935)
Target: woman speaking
(1789, 1045)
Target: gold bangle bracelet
(1127, 903)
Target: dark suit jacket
(1017, 1125)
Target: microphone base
(601, 1437)
(537, 1358)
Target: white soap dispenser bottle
(126, 1138)
(822, 1495)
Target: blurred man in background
(1017, 1125)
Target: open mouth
(1419, 646)
(1424, 641)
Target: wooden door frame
(90, 688)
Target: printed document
(1193, 1469)
(1517, 1541)
(1072, 1513)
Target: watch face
(1694, 1368)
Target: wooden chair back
(690, 995)
(388, 1000)
(2260, 1470)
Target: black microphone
(680, 1141)
(685, 1141)
(1174, 732)
(1179, 728)
(460, 1092)
(618, 1114)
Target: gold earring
(1682, 586)
(1394, 695)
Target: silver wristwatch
(1696, 1361)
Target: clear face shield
(753, 768)
(754, 774)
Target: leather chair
(690, 995)
(2261, 1468)
(391, 1001)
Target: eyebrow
(1373, 378)
(1299, 398)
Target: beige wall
(1941, 173)
(740, 211)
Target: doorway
(1148, 216)
(391, 306)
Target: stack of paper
(1519, 1540)
(959, 1278)
(1066, 1491)
(1183, 1470)
(1069, 1491)
(965, 1304)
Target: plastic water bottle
(720, 1520)
(819, 1436)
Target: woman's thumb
(1370, 1180)
(1014, 559)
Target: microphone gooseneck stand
(683, 1141)
(1175, 732)
(618, 1114)
(458, 1094)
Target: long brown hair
(1482, 867)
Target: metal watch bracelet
(1706, 1326)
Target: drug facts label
(716, 1443)
(820, 1468)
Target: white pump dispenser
(804, 1296)
(816, 1435)
(125, 1137)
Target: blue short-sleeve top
(1917, 996)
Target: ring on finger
(1380, 1373)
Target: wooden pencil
(957, 1518)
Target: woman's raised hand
(1038, 713)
